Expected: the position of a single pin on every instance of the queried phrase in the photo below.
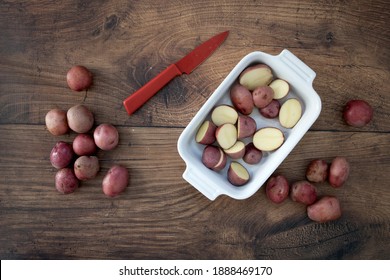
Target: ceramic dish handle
(206, 187)
(296, 65)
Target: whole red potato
(303, 192)
(86, 167)
(56, 122)
(317, 171)
(277, 189)
(325, 209)
(84, 145)
(338, 172)
(66, 181)
(115, 181)
(79, 78)
(61, 155)
(357, 113)
(106, 136)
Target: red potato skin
(80, 118)
(79, 78)
(262, 96)
(246, 127)
(66, 181)
(106, 137)
(241, 98)
(252, 154)
(277, 189)
(84, 145)
(214, 158)
(338, 172)
(303, 192)
(86, 167)
(317, 171)
(357, 113)
(271, 110)
(61, 155)
(56, 122)
(115, 181)
(324, 210)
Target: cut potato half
(290, 113)
(268, 138)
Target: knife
(185, 65)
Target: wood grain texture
(160, 216)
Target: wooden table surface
(160, 216)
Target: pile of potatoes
(321, 209)
(232, 132)
(77, 161)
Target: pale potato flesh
(268, 139)
(290, 113)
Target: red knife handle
(138, 98)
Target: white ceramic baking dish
(213, 184)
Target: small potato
(206, 133)
(268, 138)
(224, 114)
(61, 155)
(65, 181)
(241, 98)
(79, 78)
(262, 96)
(357, 113)
(84, 145)
(338, 172)
(115, 181)
(86, 167)
(325, 209)
(290, 113)
(303, 192)
(226, 135)
(277, 189)
(56, 122)
(80, 118)
(317, 171)
(214, 158)
(237, 174)
(252, 154)
(106, 136)
(246, 127)
(256, 76)
(280, 87)
(271, 110)
(236, 151)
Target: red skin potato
(325, 209)
(303, 192)
(79, 78)
(214, 158)
(338, 172)
(106, 137)
(277, 189)
(86, 167)
(252, 154)
(56, 122)
(317, 171)
(241, 98)
(262, 96)
(84, 145)
(115, 181)
(66, 181)
(357, 113)
(271, 110)
(80, 118)
(61, 155)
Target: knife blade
(185, 65)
